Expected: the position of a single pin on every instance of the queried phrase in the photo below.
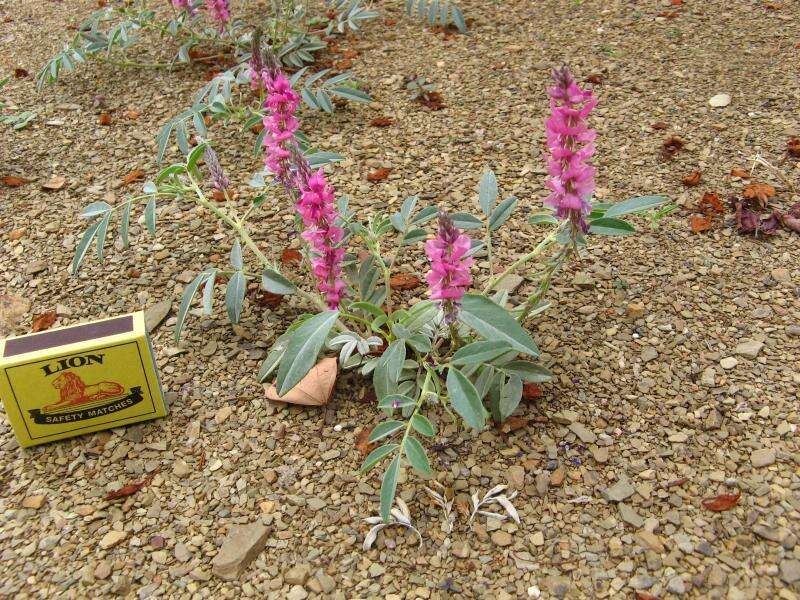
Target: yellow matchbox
(78, 379)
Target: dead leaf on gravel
(315, 389)
(19, 73)
(793, 147)
(699, 223)
(722, 502)
(105, 119)
(128, 490)
(710, 204)
(264, 298)
(595, 78)
(291, 255)
(640, 595)
(55, 183)
(381, 122)
(432, 101)
(404, 281)
(132, 114)
(671, 146)
(133, 176)
(692, 179)
(789, 221)
(760, 192)
(512, 424)
(44, 321)
(659, 126)
(740, 173)
(12, 309)
(17, 234)
(531, 391)
(379, 174)
(14, 181)
(362, 442)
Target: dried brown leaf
(381, 122)
(759, 192)
(379, 174)
(699, 223)
(404, 281)
(740, 173)
(692, 179)
(14, 181)
(362, 442)
(722, 502)
(44, 321)
(133, 176)
(531, 391)
(105, 119)
(291, 255)
(793, 147)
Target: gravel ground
(677, 355)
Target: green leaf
(502, 213)
(83, 245)
(393, 401)
(542, 218)
(150, 216)
(466, 221)
(236, 255)
(425, 215)
(186, 302)
(273, 358)
(422, 425)
(635, 205)
(234, 296)
(416, 455)
(510, 396)
(487, 192)
(208, 291)
(124, 223)
(367, 308)
(319, 159)
(480, 352)
(608, 226)
(464, 399)
(306, 342)
(494, 323)
(389, 487)
(101, 235)
(393, 358)
(95, 209)
(275, 283)
(414, 236)
(528, 371)
(350, 93)
(383, 429)
(377, 455)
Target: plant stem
(422, 394)
(541, 247)
(544, 285)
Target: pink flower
(449, 276)
(280, 125)
(318, 213)
(218, 9)
(571, 145)
(183, 5)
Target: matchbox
(78, 379)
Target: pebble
(585, 435)
(676, 585)
(762, 458)
(298, 574)
(790, 570)
(719, 101)
(728, 363)
(181, 469)
(242, 544)
(749, 348)
(154, 315)
(620, 491)
(502, 538)
(222, 414)
(297, 592)
(34, 502)
(630, 516)
(112, 538)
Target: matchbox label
(73, 392)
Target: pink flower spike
(449, 276)
(218, 9)
(571, 145)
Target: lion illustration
(73, 391)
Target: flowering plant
(211, 32)
(461, 349)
